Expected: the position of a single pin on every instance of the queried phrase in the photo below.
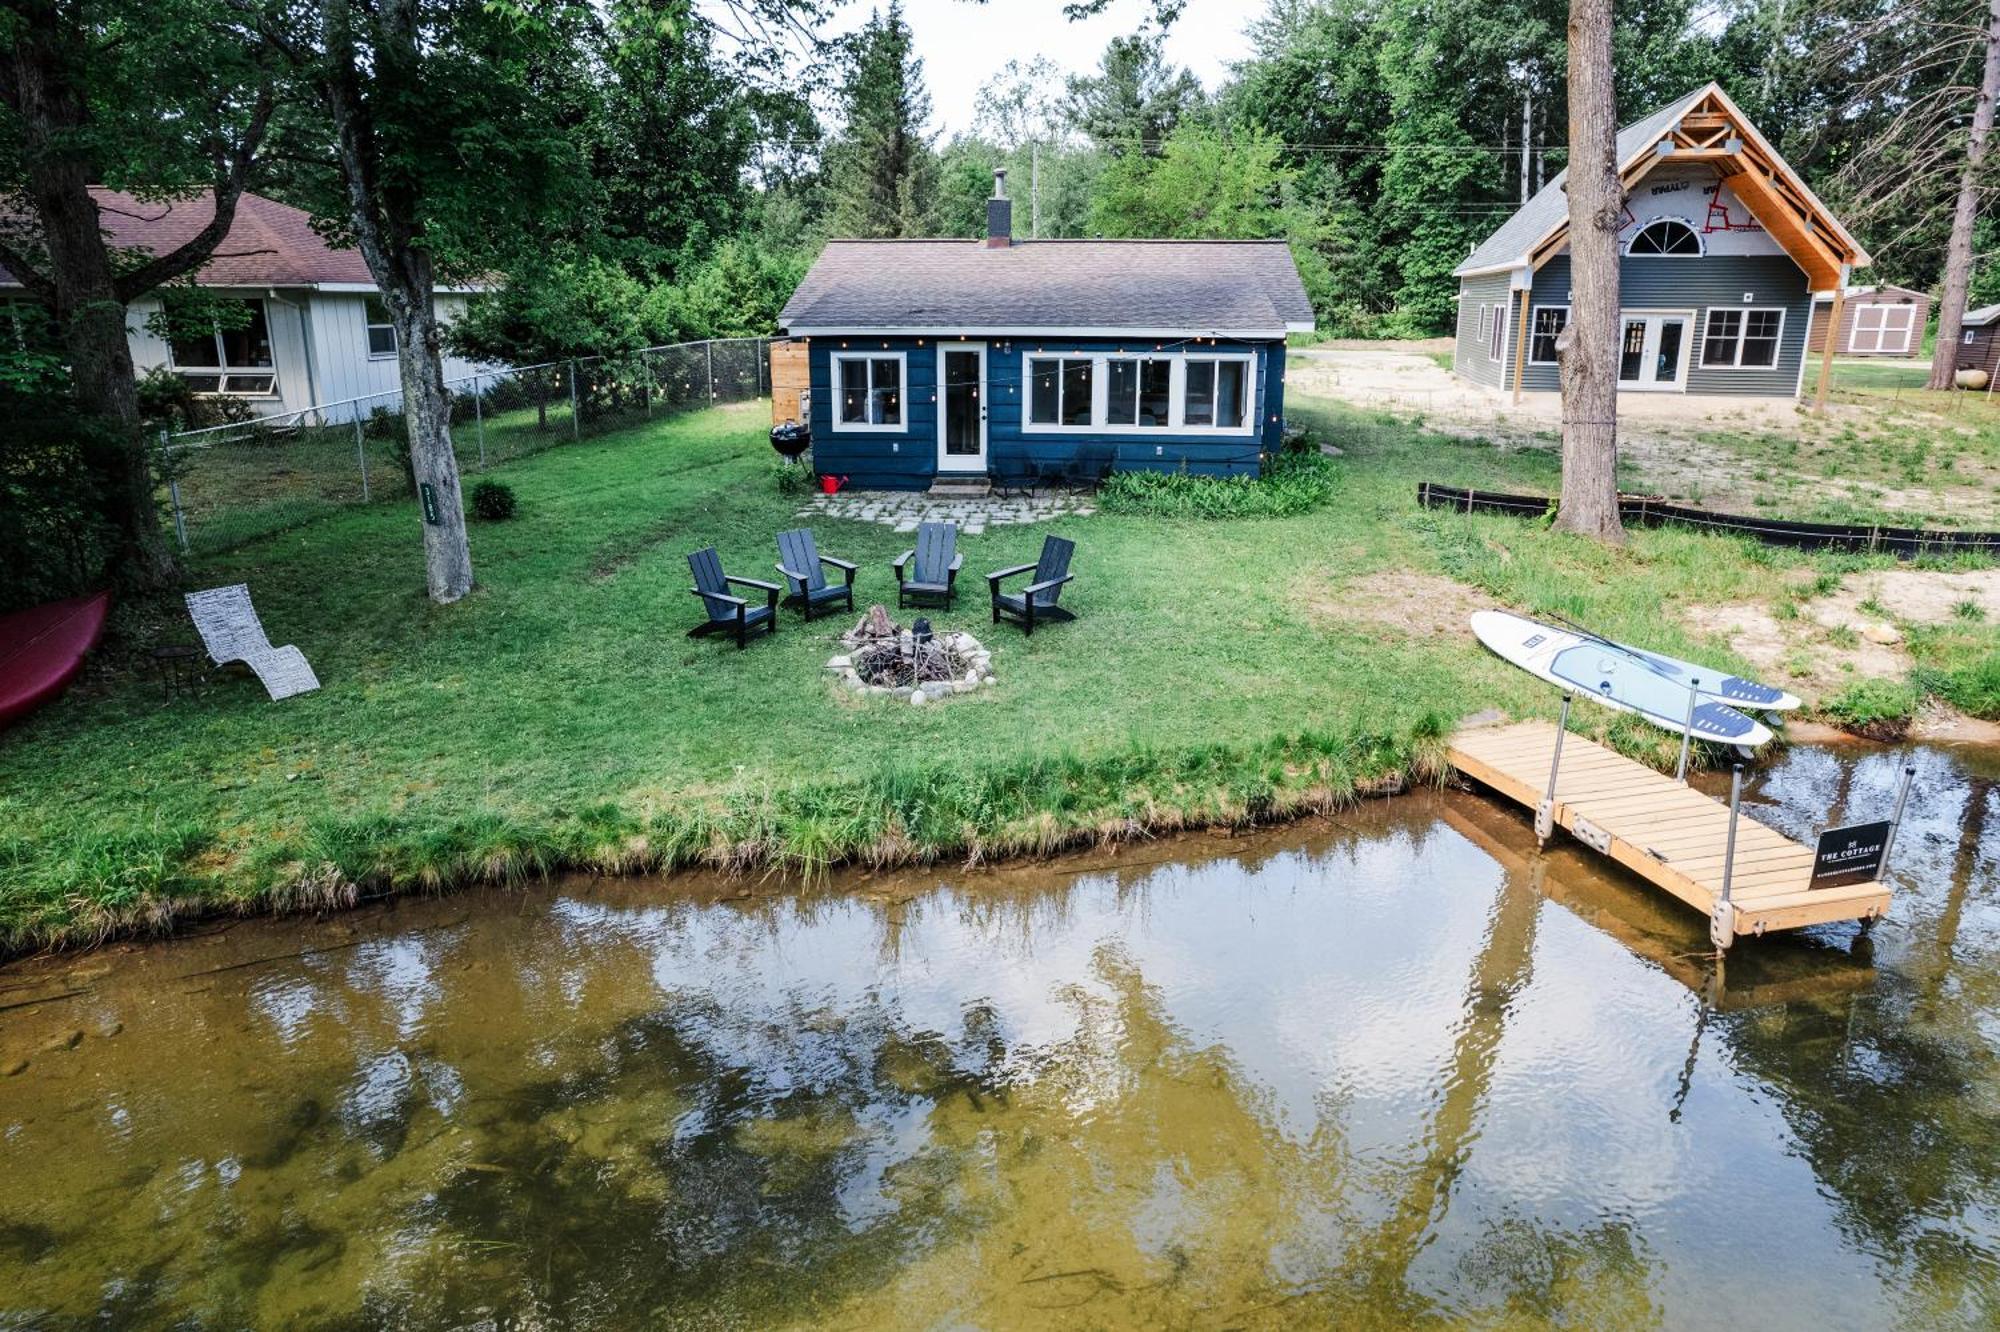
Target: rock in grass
(67, 1040)
(13, 1068)
(918, 698)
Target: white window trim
(1533, 310)
(1968, 337)
(1882, 329)
(223, 373)
(1484, 312)
(1742, 332)
(1700, 245)
(368, 327)
(1496, 337)
(902, 360)
(1100, 394)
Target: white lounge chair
(231, 631)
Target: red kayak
(41, 650)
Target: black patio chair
(801, 563)
(1035, 603)
(929, 571)
(726, 611)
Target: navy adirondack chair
(929, 571)
(728, 612)
(1035, 603)
(801, 563)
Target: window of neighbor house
(869, 391)
(1745, 339)
(381, 332)
(235, 361)
(1667, 237)
(1497, 342)
(1545, 326)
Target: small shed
(1979, 342)
(1874, 321)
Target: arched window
(1665, 236)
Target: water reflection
(1395, 1068)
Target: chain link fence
(229, 484)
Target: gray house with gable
(1724, 250)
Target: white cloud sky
(964, 44)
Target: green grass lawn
(559, 716)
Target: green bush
(493, 501)
(791, 478)
(1293, 483)
(1973, 689)
(1879, 708)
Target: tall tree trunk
(1589, 503)
(1958, 251)
(80, 292)
(385, 215)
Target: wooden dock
(1672, 836)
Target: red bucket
(831, 484)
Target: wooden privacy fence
(1651, 511)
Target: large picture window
(1059, 392)
(1139, 392)
(381, 332)
(1134, 394)
(868, 392)
(234, 360)
(1544, 327)
(1214, 393)
(1742, 339)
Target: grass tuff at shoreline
(1220, 671)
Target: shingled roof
(1549, 208)
(269, 244)
(1236, 288)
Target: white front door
(961, 415)
(1652, 351)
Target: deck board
(1672, 836)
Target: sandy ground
(1671, 443)
(1854, 632)
(1418, 605)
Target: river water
(1385, 1069)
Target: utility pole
(1527, 101)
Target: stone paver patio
(904, 509)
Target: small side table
(180, 667)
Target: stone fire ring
(976, 676)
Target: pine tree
(882, 172)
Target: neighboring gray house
(1724, 250)
(317, 332)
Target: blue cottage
(1010, 361)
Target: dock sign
(1850, 855)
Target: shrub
(790, 478)
(1293, 483)
(493, 501)
(1973, 688)
(1878, 709)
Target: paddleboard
(1731, 689)
(1613, 677)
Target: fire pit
(916, 663)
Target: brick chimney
(999, 213)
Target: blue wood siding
(907, 459)
(1772, 281)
